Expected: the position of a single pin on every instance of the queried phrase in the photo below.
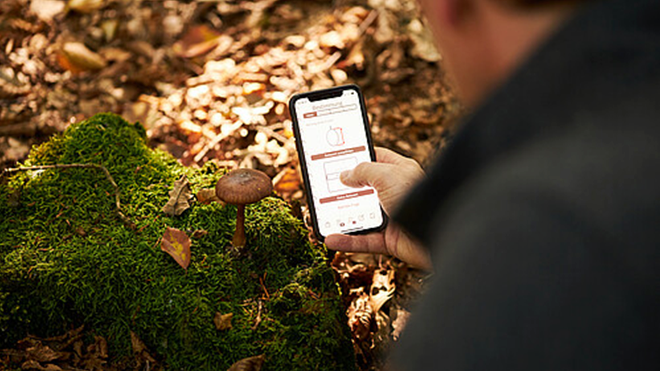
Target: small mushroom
(241, 187)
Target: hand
(392, 177)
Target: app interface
(333, 139)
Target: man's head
(484, 41)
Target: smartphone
(332, 135)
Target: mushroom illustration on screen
(335, 136)
(241, 187)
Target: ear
(455, 12)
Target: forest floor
(210, 81)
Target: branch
(121, 215)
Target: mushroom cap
(243, 186)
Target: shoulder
(544, 253)
(590, 190)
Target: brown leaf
(93, 364)
(422, 40)
(223, 321)
(382, 288)
(80, 58)
(360, 315)
(287, 181)
(180, 196)
(199, 40)
(248, 364)
(42, 353)
(177, 244)
(140, 350)
(207, 195)
(47, 9)
(137, 344)
(101, 346)
(86, 6)
(34, 365)
(109, 28)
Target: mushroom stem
(239, 236)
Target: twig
(367, 22)
(121, 215)
(217, 140)
(272, 133)
(258, 319)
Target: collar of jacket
(596, 58)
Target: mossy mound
(66, 259)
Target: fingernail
(344, 174)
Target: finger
(370, 243)
(366, 174)
(385, 155)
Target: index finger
(388, 156)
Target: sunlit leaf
(86, 6)
(423, 45)
(287, 181)
(177, 244)
(76, 57)
(382, 288)
(199, 40)
(360, 315)
(47, 9)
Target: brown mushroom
(241, 187)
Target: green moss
(66, 260)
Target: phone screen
(332, 134)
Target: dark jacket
(543, 215)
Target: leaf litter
(210, 81)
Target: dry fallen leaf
(34, 365)
(76, 57)
(42, 353)
(140, 350)
(207, 195)
(248, 364)
(360, 315)
(177, 244)
(179, 198)
(287, 181)
(47, 9)
(222, 321)
(199, 40)
(382, 288)
(136, 343)
(86, 6)
(422, 40)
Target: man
(542, 218)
